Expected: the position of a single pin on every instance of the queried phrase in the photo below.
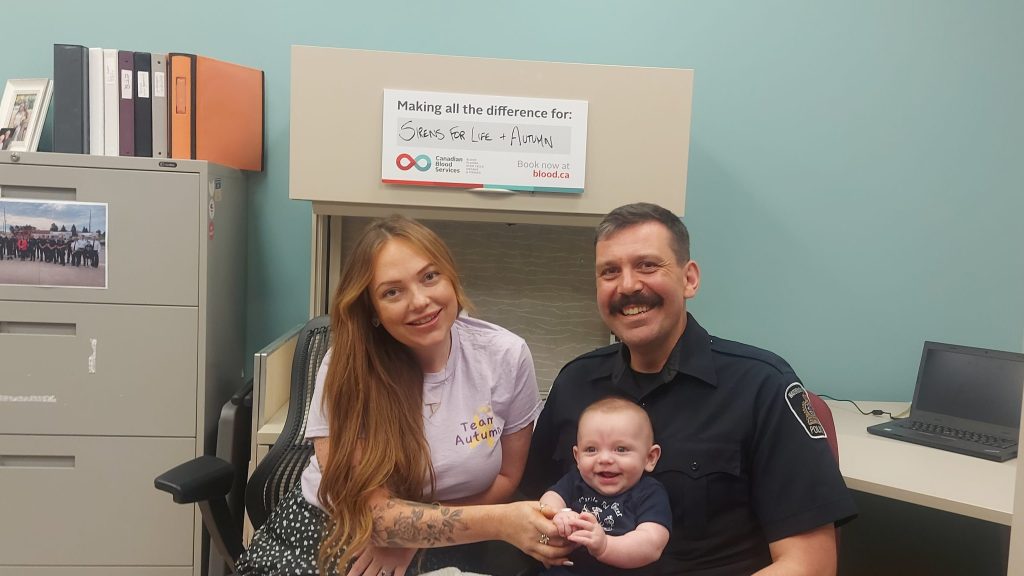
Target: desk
(918, 474)
(271, 429)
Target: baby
(607, 505)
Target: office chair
(824, 414)
(207, 480)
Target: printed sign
(491, 142)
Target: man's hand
(375, 560)
(588, 532)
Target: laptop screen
(971, 383)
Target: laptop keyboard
(940, 430)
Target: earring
(375, 321)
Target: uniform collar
(691, 356)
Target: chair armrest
(244, 395)
(197, 480)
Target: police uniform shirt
(744, 459)
(646, 501)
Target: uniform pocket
(706, 480)
(700, 460)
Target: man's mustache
(638, 299)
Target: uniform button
(694, 466)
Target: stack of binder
(121, 103)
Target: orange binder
(216, 111)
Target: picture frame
(22, 112)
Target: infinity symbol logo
(406, 162)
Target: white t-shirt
(487, 390)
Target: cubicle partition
(525, 253)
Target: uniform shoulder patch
(800, 405)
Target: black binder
(143, 98)
(70, 99)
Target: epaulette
(741, 350)
(608, 350)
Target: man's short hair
(640, 213)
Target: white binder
(96, 86)
(110, 102)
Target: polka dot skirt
(288, 542)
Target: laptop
(967, 400)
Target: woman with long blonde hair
(421, 421)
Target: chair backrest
(824, 414)
(279, 471)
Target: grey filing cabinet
(103, 389)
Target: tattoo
(424, 525)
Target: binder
(181, 68)
(126, 103)
(96, 124)
(111, 99)
(216, 111)
(158, 76)
(70, 99)
(143, 105)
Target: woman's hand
(377, 561)
(528, 526)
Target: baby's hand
(588, 532)
(563, 521)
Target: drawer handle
(39, 193)
(38, 328)
(36, 461)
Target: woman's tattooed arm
(413, 524)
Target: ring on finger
(544, 539)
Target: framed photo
(22, 112)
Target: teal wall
(855, 182)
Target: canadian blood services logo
(406, 162)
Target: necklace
(435, 383)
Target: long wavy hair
(373, 397)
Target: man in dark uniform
(752, 482)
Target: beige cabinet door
(155, 221)
(90, 501)
(98, 369)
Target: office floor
(893, 537)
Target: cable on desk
(875, 412)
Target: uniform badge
(798, 402)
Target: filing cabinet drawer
(98, 369)
(90, 501)
(155, 221)
(95, 571)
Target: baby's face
(613, 450)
